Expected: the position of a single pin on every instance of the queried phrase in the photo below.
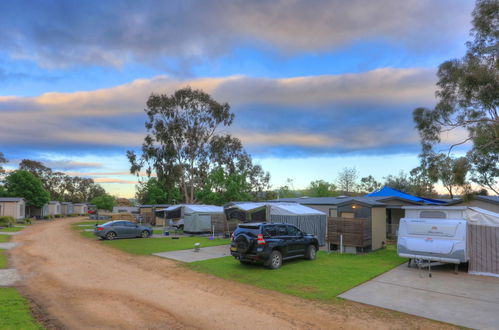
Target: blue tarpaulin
(390, 192)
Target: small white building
(80, 208)
(54, 208)
(67, 208)
(14, 207)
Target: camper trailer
(433, 234)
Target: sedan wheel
(144, 234)
(111, 235)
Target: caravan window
(432, 214)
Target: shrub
(27, 221)
(7, 221)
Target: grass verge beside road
(322, 279)
(11, 229)
(4, 238)
(148, 246)
(14, 311)
(3, 259)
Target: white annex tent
(197, 218)
(305, 218)
(483, 241)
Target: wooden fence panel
(355, 231)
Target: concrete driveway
(205, 253)
(461, 299)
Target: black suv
(271, 243)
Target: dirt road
(77, 283)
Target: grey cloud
(61, 33)
(368, 112)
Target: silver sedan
(122, 229)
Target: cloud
(318, 114)
(59, 34)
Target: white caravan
(433, 234)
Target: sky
(315, 86)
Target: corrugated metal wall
(483, 249)
(311, 224)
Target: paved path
(8, 245)
(463, 299)
(9, 277)
(10, 233)
(205, 253)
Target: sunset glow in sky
(315, 85)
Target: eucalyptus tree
(468, 97)
(185, 143)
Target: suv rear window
(248, 229)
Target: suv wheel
(275, 260)
(311, 252)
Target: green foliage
(103, 202)
(61, 186)
(468, 98)
(304, 278)
(153, 192)
(7, 221)
(15, 312)
(451, 172)
(183, 145)
(221, 188)
(369, 184)
(22, 183)
(347, 180)
(321, 188)
(3, 160)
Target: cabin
(80, 208)
(13, 207)
(54, 208)
(67, 208)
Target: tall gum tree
(468, 97)
(184, 143)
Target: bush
(7, 221)
(27, 221)
(58, 216)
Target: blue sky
(315, 85)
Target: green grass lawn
(3, 259)
(4, 238)
(11, 229)
(141, 246)
(322, 279)
(148, 246)
(14, 311)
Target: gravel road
(76, 283)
